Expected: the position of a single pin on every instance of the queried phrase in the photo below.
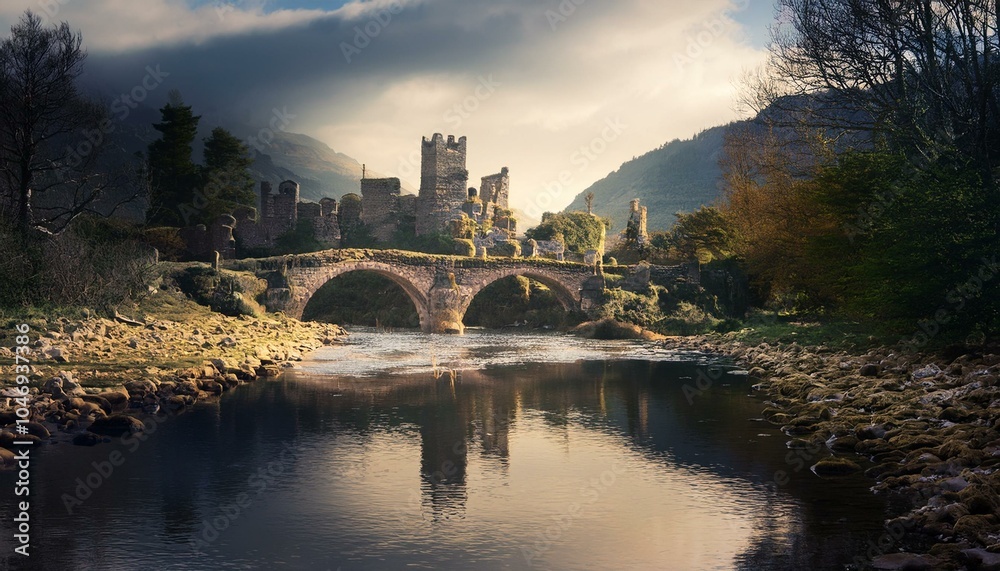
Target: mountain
(319, 170)
(680, 176)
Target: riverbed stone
(982, 559)
(99, 401)
(7, 458)
(117, 399)
(835, 466)
(117, 425)
(904, 562)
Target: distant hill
(680, 176)
(319, 170)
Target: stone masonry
(443, 182)
(444, 196)
(441, 287)
(637, 223)
(382, 206)
(280, 213)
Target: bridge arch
(416, 295)
(568, 297)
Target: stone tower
(443, 183)
(284, 206)
(637, 223)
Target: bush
(638, 308)
(464, 247)
(509, 249)
(579, 231)
(226, 292)
(688, 319)
(167, 241)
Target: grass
(770, 327)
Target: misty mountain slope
(680, 176)
(319, 170)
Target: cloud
(371, 78)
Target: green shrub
(464, 247)
(579, 231)
(509, 249)
(229, 293)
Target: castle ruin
(280, 214)
(444, 197)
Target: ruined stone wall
(637, 220)
(495, 189)
(443, 182)
(283, 208)
(279, 214)
(326, 229)
(380, 206)
(201, 241)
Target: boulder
(140, 386)
(835, 466)
(99, 401)
(87, 439)
(904, 562)
(982, 559)
(7, 458)
(117, 425)
(117, 399)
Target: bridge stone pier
(441, 287)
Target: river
(487, 451)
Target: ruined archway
(415, 295)
(569, 299)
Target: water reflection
(574, 465)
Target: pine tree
(173, 175)
(226, 182)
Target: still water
(487, 451)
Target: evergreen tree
(173, 175)
(226, 181)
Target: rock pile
(928, 426)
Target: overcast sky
(560, 91)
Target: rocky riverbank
(95, 378)
(925, 427)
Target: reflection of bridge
(441, 287)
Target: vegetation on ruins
(579, 231)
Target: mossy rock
(980, 499)
(835, 466)
(976, 526)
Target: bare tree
(50, 136)
(921, 75)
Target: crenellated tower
(443, 182)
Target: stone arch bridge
(441, 287)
